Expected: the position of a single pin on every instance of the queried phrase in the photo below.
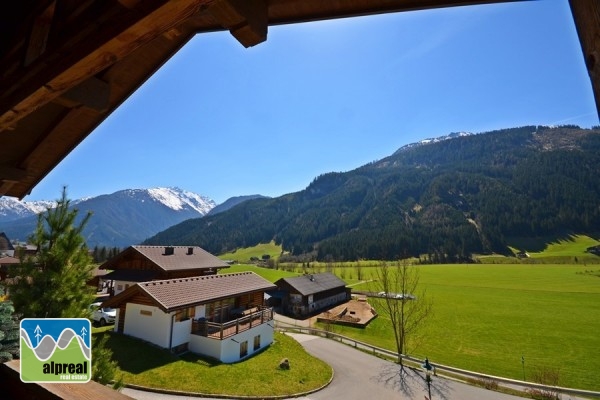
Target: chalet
(220, 316)
(6, 247)
(308, 294)
(7, 256)
(148, 263)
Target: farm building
(301, 296)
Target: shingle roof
(172, 294)
(314, 283)
(182, 258)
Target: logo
(56, 350)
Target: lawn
(269, 274)
(244, 255)
(486, 317)
(260, 375)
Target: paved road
(358, 375)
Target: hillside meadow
(490, 317)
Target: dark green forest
(443, 201)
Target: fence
(438, 368)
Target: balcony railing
(224, 330)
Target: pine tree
(9, 332)
(52, 283)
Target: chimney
(190, 251)
(169, 250)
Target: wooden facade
(310, 294)
(147, 263)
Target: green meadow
(490, 317)
(486, 317)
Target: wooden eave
(66, 65)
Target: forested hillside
(445, 200)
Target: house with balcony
(148, 263)
(221, 316)
(305, 295)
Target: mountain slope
(126, 217)
(445, 199)
(232, 202)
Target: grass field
(269, 274)
(486, 317)
(244, 255)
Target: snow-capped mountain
(452, 135)
(174, 198)
(11, 208)
(119, 219)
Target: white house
(221, 316)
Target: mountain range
(119, 219)
(443, 200)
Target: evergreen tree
(52, 283)
(9, 332)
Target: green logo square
(56, 350)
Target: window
(185, 314)
(243, 348)
(256, 342)
(146, 313)
(119, 287)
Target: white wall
(154, 329)
(228, 350)
(205, 346)
(181, 332)
(200, 311)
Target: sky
(221, 120)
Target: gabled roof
(5, 244)
(174, 294)
(313, 283)
(182, 258)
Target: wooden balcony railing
(224, 330)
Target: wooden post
(586, 14)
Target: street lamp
(428, 368)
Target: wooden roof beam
(11, 174)
(247, 20)
(89, 57)
(586, 14)
(93, 93)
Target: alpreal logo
(56, 350)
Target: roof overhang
(66, 65)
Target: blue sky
(221, 120)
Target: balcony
(248, 319)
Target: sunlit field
(490, 317)
(486, 317)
